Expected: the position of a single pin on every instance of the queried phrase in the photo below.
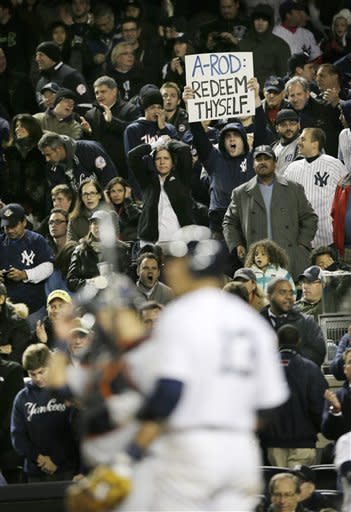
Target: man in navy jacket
(74, 161)
(292, 434)
(41, 424)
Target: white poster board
(219, 82)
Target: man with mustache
(269, 206)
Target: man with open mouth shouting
(148, 285)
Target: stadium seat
(334, 498)
(326, 476)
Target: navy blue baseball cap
(50, 86)
(205, 256)
(11, 214)
(298, 60)
(274, 83)
(312, 274)
(286, 114)
(264, 150)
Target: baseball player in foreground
(205, 384)
(211, 387)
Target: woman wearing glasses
(89, 199)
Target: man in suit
(269, 206)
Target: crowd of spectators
(94, 134)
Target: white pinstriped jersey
(285, 155)
(319, 179)
(224, 348)
(302, 40)
(344, 151)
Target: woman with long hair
(25, 180)
(90, 198)
(164, 176)
(119, 195)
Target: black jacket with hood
(225, 172)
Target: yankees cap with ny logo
(11, 214)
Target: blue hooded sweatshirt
(42, 424)
(225, 172)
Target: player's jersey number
(237, 352)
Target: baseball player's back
(213, 337)
(227, 360)
(217, 365)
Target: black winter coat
(11, 382)
(84, 264)
(26, 180)
(177, 186)
(129, 214)
(110, 135)
(14, 331)
(313, 345)
(298, 421)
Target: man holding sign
(220, 88)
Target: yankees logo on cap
(11, 214)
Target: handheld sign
(219, 82)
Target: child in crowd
(268, 261)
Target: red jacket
(338, 212)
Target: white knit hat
(344, 13)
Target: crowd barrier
(36, 497)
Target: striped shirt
(285, 155)
(319, 179)
(301, 40)
(344, 151)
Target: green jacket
(69, 126)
